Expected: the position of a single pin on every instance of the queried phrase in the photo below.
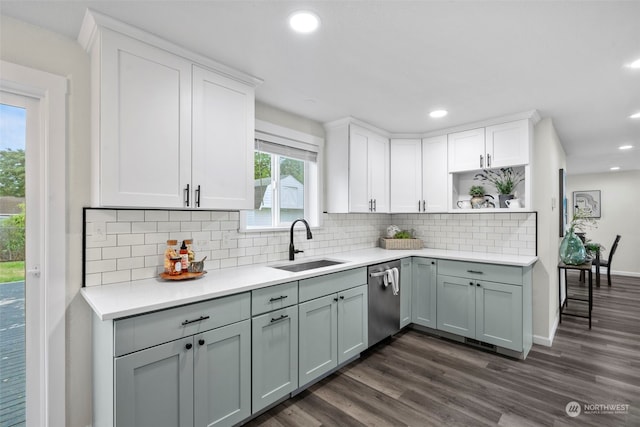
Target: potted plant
(477, 196)
(504, 179)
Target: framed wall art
(588, 202)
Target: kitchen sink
(309, 265)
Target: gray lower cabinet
(222, 379)
(424, 301)
(275, 356)
(202, 380)
(154, 387)
(486, 302)
(333, 329)
(406, 285)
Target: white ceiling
(390, 62)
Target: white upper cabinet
(168, 131)
(143, 146)
(508, 144)
(223, 134)
(434, 174)
(419, 175)
(496, 146)
(466, 150)
(357, 176)
(406, 175)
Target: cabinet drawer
(274, 297)
(331, 283)
(480, 271)
(138, 332)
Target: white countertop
(141, 296)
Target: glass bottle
(184, 254)
(170, 253)
(190, 252)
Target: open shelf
(461, 182)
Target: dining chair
(607, 263)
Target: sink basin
(309, 265)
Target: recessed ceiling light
(304, 21)
(436, 114)
(635, 64)
(625, 147)
(635, 116)
(615, 168)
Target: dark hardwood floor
(414, 379)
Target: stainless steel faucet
(292, 250)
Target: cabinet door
(318, 331)
(406, 175)
(353, 322)
(456, 305)
(144, 154)
(424, 304)
(378, 170)
(499, 314)
(154, 387)
(222, 375)
(466, 150)
(507, 144)
(406, 285)
(223, 142)
(275, 356)
(435, 177)
(359, 196)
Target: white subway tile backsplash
(133, 248)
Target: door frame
(47, 407)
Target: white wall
(288, 120)
(548, 158)
(620, 213)
(34, 47)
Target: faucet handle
(297, 251)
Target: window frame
(287, 137)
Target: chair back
(613, 249)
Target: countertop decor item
(505, 180)
(402, 239)
(182, 276)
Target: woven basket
(400, 243)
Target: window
(286, 183)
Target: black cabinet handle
(336, 299)
(200, 319)
(198, 197)
(188, 346)
(475, 272)
(284, 316)
(470, 283)
(481, 159)
(418, 205)
(186, 198)
(374, 205)
(278, 298)
(341, 296)
(424, 206)
(201, 341)
(488, 160)
(478, 284)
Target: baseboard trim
(547, 341)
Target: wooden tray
(183, 276)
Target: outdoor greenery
(12, 173)
(12, 237)
(262, 167)
(11, 271)
(504, 179)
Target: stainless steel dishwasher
(384, 306)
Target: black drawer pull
(188, 322)
(284, 316)
(475, 272)
(278, 298)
